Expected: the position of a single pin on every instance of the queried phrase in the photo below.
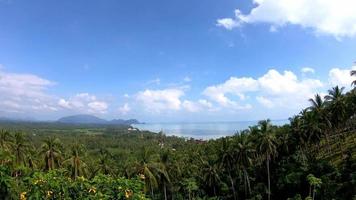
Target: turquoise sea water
(202, 130)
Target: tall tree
(149, 168)
(51, 149)
(75, 163)
(353, 73)
(210, 175)
(244, 154)
(104, 165)
(267, 148)
(336, 105)
(5, 139)
(164, 165)
(19, 148)
(227, 162)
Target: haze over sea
(201, 130)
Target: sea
(201, 130)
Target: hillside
(91, 119)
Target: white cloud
(234, 86)
(286, 90)
(341, 77)
(272, 89)
(166, 100)
(228, 23)
(200, 105)
(97, 107)
(306, 70)
(124, 109)
(160, 100)
(265, 102)
(84, 102)
(205, 103)
(24, 93)
(332, 17)
(190, 106)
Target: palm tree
(267, 147)
(5, 139)
(52, 153)
(317, 103)
(244, 153)
(76, 165)
(164, 175)
(5, 147)
(210, 174)
(336, 105)
(19, 148)
(104, 163)
(149, 169)
(226, 160)
(353, 73)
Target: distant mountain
(90, 119)
(82, 119)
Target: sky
(172, 61)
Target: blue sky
(184, 60)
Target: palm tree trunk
(233, 186)
(165, 191)
(152, 192)
(247, 181)
(269, 179)
(310, 190)
(313, 192)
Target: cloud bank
(283, 91)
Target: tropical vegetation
(312, 157)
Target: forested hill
(313, 157)
(90, 119)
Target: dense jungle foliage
(312, 157)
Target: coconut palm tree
(51, 149)
(210, 174)
(75, 163)
(336, 105)
(149, 168)
(227, 162)
(353, 73)
(244, 154)
(5, 139)
(5, 147)
(267, 148)
(317, 103)
(164, 164)
(19, 148)
(104, 163)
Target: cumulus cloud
(341, 77)
(271, 89)
(337, 18)
(234, 86)
(285, 89)
(24, 92)
(124, 109)
(197, 106)
(160, 100)
(166, 100)
(84, 102)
